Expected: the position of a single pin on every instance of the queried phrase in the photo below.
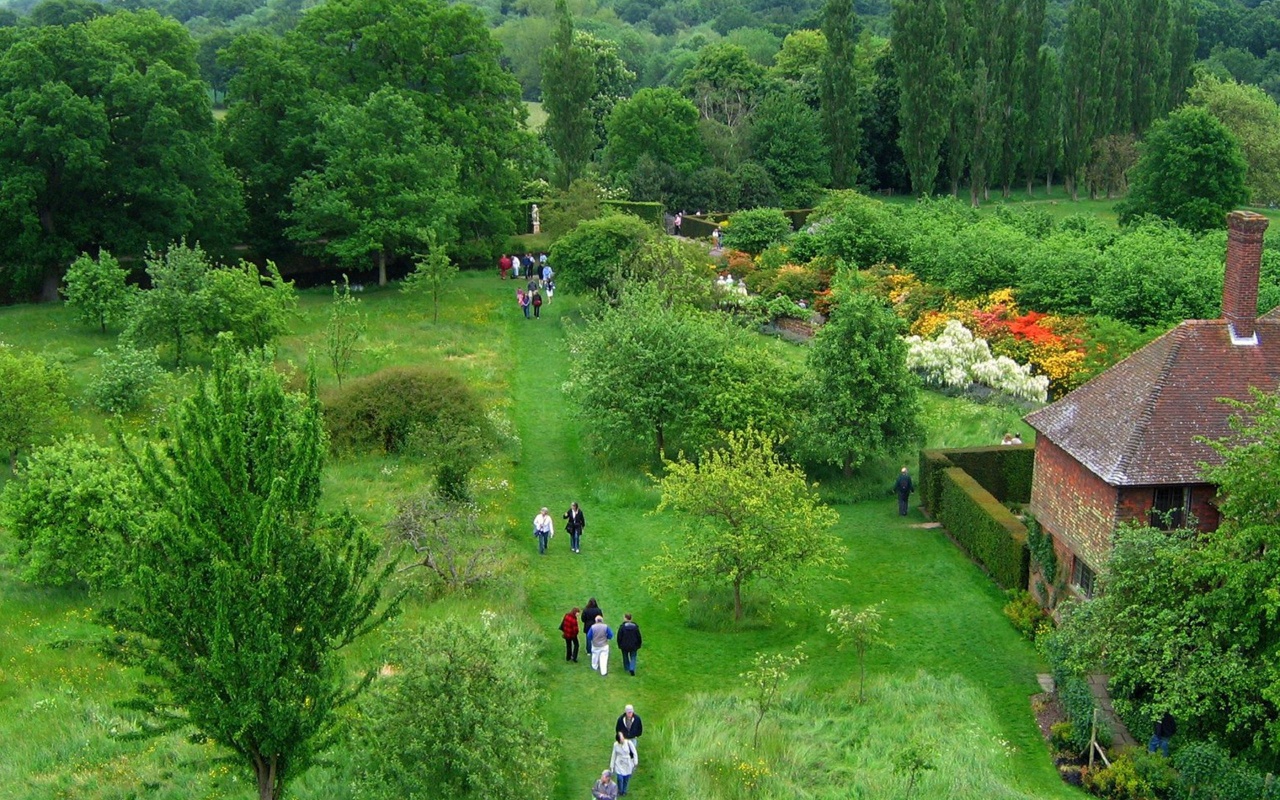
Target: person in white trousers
(599, 635)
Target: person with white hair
(605, 788)
(543, 529)
(598, 636)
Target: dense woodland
(702, 106)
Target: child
(551, 290)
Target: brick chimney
(1240, 286)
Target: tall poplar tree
(841, 116)
(958, 32)
(1049, 145)
(926, 79)
(1033, 95)
(1081, 79)
(568, 86)
(1149, 68)
(1183, 43)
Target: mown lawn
(57, 695)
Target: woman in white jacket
(624, 761)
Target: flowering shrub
(957, 358)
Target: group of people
(624, 759)
(598, 636)
(530, 297)
(1011, 438)
(544, 528)
(527, 265)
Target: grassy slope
(56, 693)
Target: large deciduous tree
(1191, 171)
(658, 123)
(384, 187)
(1254, 118)
(864, 401)
(752, 518)
(841, 114)
(786, 139)
(245, 591)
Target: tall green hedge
(984, 527)
(1003, 470)
(649, 212)
(932, 463)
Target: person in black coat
(629, 643)
(589, 615)
(1164, 730)
(903, 488)
(574, 524)
(629, 724)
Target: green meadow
(955, 682)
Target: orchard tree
(432, 272)
(345, 327)
(1191, 171)
(174, 312)
(97, 289)
(73, 511)
(454, 701)
(384, 187)
(864, 401)
(859, 631)
(764, 682)
(253, 308)
(33, 401)
(246, 592)
(750, 518)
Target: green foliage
(97, 289)
(128, 375)
(1191, 171)
(1253, 118)
(1158, 273)
(863, 401)
(343, 331)
(568, 85)
(860, 631)
(595, 256)
(933, 463)
(912, 760)
(750, 517)
(457, 714)
(765, 678)
(385, 185)
(655, 375)
(254, 309)
(787, 141)
(246, 593)
(73, 512)
(1206, 769)
(1133, 775)
(432, 274)
(1061, 649)
(985, 528)
(582, 200)
(657, 123)
(175, 311)
(858, 229)
(755, 229)
(425, 411)
(1024, 611)
(1040, 545)
(33, 400)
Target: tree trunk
(382, 267)
(847, 468)
(737, 599)
(662, 442)
(265, 771)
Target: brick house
(1123, 446)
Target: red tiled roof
(1136, 423)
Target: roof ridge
(1139, 431)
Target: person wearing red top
(569, 628)
(504, 266)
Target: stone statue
(537, 219)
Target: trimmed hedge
(649, 212)
(984, 527)
(1003, 470)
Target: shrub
(1062, 737)
(71, 511)
(1025, 613)
(126, 380)
(594, 256)
(755, 229)
(957, 358)
(1073, 692)
(984, 528)
(1207, 770)
(424, 411)
(1133, 775)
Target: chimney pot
(1240, 283)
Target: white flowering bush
(957, 358)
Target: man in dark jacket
(1164, 730)
(629, 643)
(903, 488)
(574, 523)
(629, 724)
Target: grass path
(947, 617)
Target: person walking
(523, 300)
(629, 724)
(543, 530)
(589, 615)
(624, 761)
(574, 523)
(903, 488)
(629, 644)
(504, 266)
(537, 304)
(598, 637)
(569, 629)
(605, 788)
